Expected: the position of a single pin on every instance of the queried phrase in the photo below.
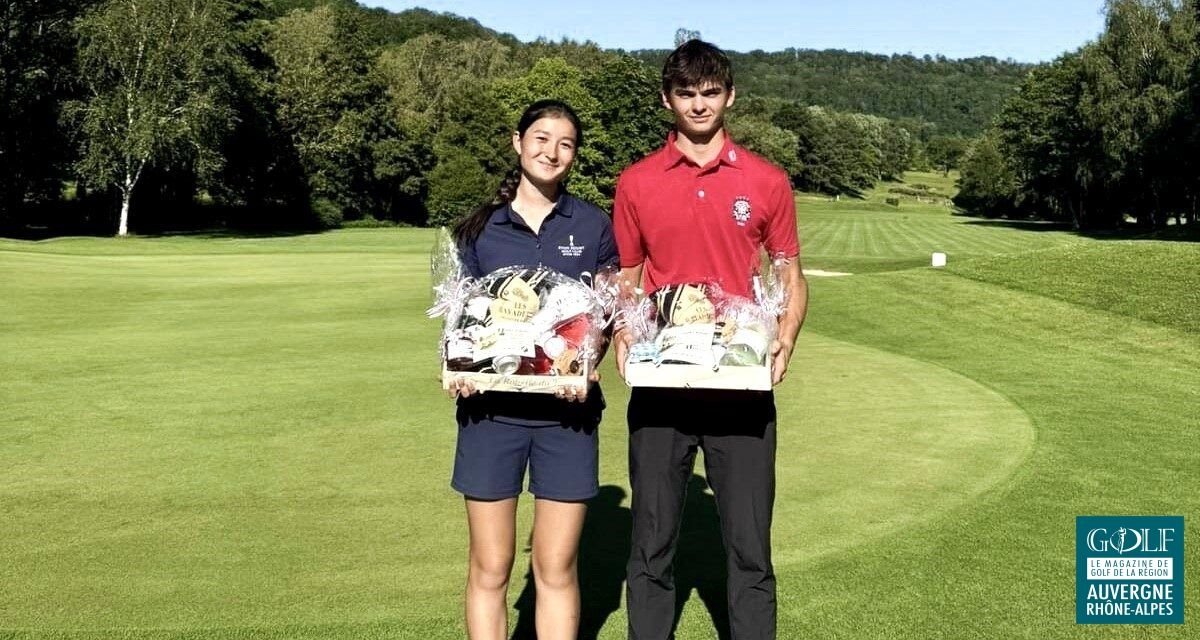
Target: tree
(946, 152)
(1188, 132)
(1051, 150)
(774, 143)
(584, 56)
(630, 112)
(36, 57)
(457, 185)
(820, 168)
(428, 74)
(1102, 135)
(682, 35)
(402, 156)
(987, 186)
(897, 150)
(554, 78)
(262, 182)
(856, 145)
(149, 70)
(1133, 92)
(439, 95)
(959, 96)
(330, 105)
(386, 28)
(473, 152)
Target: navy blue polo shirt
(575, 237)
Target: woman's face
(546, 151)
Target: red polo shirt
(687, 223)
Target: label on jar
(753, 338)
(505, 338)
(687, 344)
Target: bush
(895, 202)
(457, 185)
(369, 222)
(327, 213)
(916, 191)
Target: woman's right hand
(461, 388)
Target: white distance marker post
(939, 259)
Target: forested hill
(959, 96)
(272, 114)
(386, 27)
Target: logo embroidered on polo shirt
(571, 250)
(741, 210)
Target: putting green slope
(872, 441)
(251, 445)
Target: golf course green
(244, 437)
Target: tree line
(154, 115)
(1104, 137)
(930, 94)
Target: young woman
(532, 221)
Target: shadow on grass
(233, 234)
(604, 551)
(700, 558)
(32, 233)
(1023, 225)
(1173, 233)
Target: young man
(698, 210)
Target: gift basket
(697, 335)
(528, 329)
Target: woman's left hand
(571, 393)
(460, 388)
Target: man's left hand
(781, 353)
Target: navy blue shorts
(491, 457)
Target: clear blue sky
(1024, 30)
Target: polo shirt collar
(730, 155)
(563, 206)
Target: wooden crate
(692, 376)
(519, 384)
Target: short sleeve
(607, 255)
(470, 259)
(625, 225)
(781, 235)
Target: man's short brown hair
(695, 63)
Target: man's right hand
(622, 340)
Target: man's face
(699, 109)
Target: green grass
(868, 235)
(937, 183)
(243, 438)
(1112, 401)
(1154, 281)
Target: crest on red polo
(741, 210)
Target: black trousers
(736, 430)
